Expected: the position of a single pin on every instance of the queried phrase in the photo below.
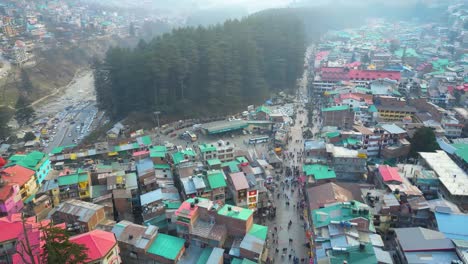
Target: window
(110, 255)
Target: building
(36, 161)
(166, 249)
(10, 199)
(453, 127)
(454, 181)
(80, 215)
(24, 178)
(101, 247)
(74, 185)
(345, 227)
(208, 151)
(388, 175)
(318, 174)
(338, 116)
(12, 227)
(421, 245)
(452, 224)
(146, 175)
(347, 164)
(134, 241)
(219, 127)
(328, 193)
(239, 188)
(197, 222)
(158, 154)
(217, 183)
(389, 113)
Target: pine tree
(24, 112)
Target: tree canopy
(423, 140)
(59, 249)
(204, 71)
(24, 111)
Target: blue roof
(144, 166)
(453, 225)
(151, 197)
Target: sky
(250, 5)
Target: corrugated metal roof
(151, 197)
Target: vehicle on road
(193, 137)
(259, 140)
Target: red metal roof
(344, 74)
(373, 75)
(5, 191)
(389, 173)
(17, 174)
(334, 74)
(239, 181)
(97, 242)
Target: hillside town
(41, 25)
(334, 173)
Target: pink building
(10, 199)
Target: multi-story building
(340, 116)
(24, 178)
(74, 184)
(453, 179)
(10, 198)
(36, 161)
(134, 241)
(239, 188)
(348, 164)
(453, 127)
(101, 247)
(79, 215)
(12, 228)
(421, 245)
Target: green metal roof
(59, 150)
(162, 166)
(462, 151)
(259, 231)
(157, 154)
(241, 214)
(241, 261)
(166, 246)
(158, 151)
(216, 179)
(373, 109)
(171, 205)
(263, 108)
(340, 212)
(333, 134)
(213, 162)
(233, 165)
(320, 172)
(159, 148)
(207, 147)
(72, 179)
(205, 255)
(336, 108)
(178, 157)
(146, 140)
(29, 161)
(354, 254)
(242, 160)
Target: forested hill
(204, 71)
